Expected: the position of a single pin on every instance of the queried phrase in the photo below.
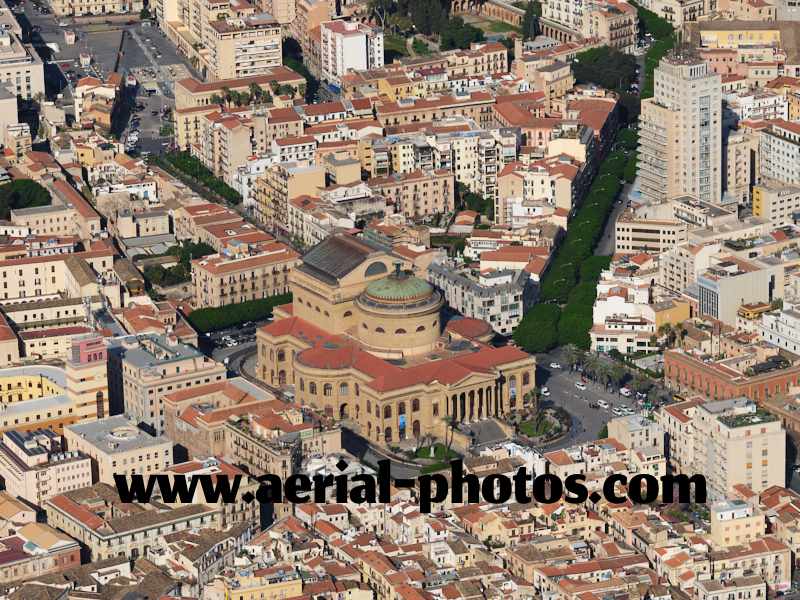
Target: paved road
(369, 454)
(586, 422)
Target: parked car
(625, 392)
(580, 385)
(555, 365)
(545, 391)
(603, 404)
(617, 412)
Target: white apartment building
(497, 297)
(680, 148)
(757, 105)
(780, 152)
(782, 327)
(730, 282)
(346, 45)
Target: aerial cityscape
(471, 251)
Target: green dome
(400, 287)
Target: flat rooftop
(117, 434)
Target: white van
(603, 404)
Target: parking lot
(586, 421)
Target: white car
(625, 392)
(555, 365)
(617, 412)
(545, 391)
(580, 385)
(603, 404)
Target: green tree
(22, 193)
(538, 331)
(530, 20)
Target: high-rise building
(680, 152)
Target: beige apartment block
(224, 145)
(242, 274)
(80, 8)
(680, 266)
(780, 152)
(89, 516)
(282, 182)
(680, 149)
(152, 366)
(418, 193)
(116, 446)
(308, 16)
(191, 93)
(735, 523)
(21, 69)
(35, 466)
(616, 23)
(255, 440)
(735, 442)
(741, 163)
(224, 40)
(776, 201)
(633, 234)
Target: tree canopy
(22, 193)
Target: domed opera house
(364, 340)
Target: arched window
(302, 385)
(343, 389)
(400, 331)
(364, 325)
(281, 355)
(421, 328)
(376, 268)
(387, 412)
(526, 378)
(327, 389)
(358, 390)
(369, 407)
(379, 330)
(401, 408)
(317, 308)
(377, 411)
(327, 314)
(388, 434)
(415, 405)
(348, 313)
(312, 388)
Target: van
(603, 404)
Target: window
(312, 388)
(399, 331)
(387, 412)
(327, 390)
(343, 389)
(379, 330)
(415, 405)
(421, 328)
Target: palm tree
(590, 365)
(603, 372)
(255, 92)
(574, 356)
(216, 99)
(226, 94)
(617, 374)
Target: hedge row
(231, 315)
(571, 280)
